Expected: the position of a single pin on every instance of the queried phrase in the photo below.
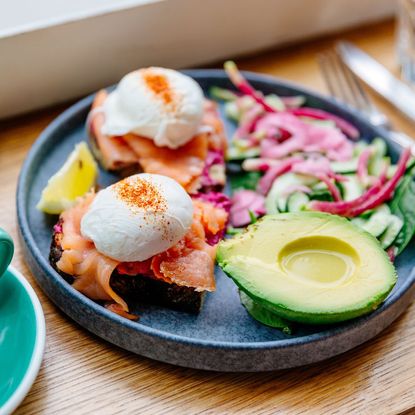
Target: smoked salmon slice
(113, 152)
(212, 218)
(217, 137)
(189, 263)
(92, 271)
(185, 164)
(194, 268)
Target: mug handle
(6, 250)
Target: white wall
(18, 16)
(63, 61)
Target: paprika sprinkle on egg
(138, 193)
(159, 85)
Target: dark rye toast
(139, 288)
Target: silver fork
(345, 87)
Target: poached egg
(161, 104)
(138, 217)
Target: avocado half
(309, 267)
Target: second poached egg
(157, 103)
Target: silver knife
(400, 95)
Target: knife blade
(400, 95)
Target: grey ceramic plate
(222, 337)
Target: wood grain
(85, 375)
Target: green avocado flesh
(309, 267)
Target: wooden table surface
(85, 375)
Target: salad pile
(287, 157)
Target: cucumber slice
(377, 223)
(410, 165)
(392, 231)
(222, 94)
(384, 208)
(321, 194)
(236, 153)
(297, 201)
(352, 188)
(381, 208)
(320, 186)
(275, 101)
(345, 167)
(380, 147)
(359, 221)
(391, 170)
(276, 200)
(282, 204)
(320, 123)
(367, 214)
(377, 164)
(359, 147)
(232, 111)
(378, 159)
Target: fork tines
(341, 82)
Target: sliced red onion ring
(243, 85)
(319, 114)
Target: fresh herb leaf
(403, 206)
(252, 216)
(321, 194)
(244, 180)
(410, 167)
(264, 316)
(234, 231)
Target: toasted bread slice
(139, 288)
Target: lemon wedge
(75, 178)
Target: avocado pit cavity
(319, 260)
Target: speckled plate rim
(38, 349)
(395, 304)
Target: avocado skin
(313, 318)
(296, 315)
(263, 315)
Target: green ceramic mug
(6, 250)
